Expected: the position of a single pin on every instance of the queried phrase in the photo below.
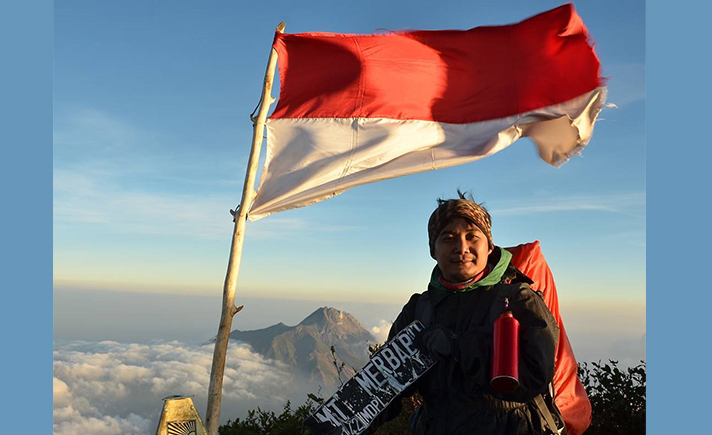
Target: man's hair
(464, 207)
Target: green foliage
(260, 422)
(617, 398)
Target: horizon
(122, 322)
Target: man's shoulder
(410, 308)
(517, 290)
(515, 276)
(406, 315)
(413, 301)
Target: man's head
(460, 236)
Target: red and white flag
(355, 109)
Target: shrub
(259, 422)
(617, 398)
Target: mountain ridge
(307, 345)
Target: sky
(151, 140)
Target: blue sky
(151, 137)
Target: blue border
(678, 191)
(677, 162)
(26, 30)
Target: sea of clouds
(111, 388)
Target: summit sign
(392, 369)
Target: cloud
(86, 136)
(72, 423)
(114, 388)
(620, 203)
(109, 172)
(630, 238)
(112, 174)
(60, 393)
(380, 331)
(93, 131)
(92, 198)
(88, 197)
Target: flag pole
(233, 268)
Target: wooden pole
(233, 268)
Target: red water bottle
(505, 354)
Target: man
(465, 296)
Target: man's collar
(499, 257)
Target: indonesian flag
(355, 109)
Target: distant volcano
(307, 346)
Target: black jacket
(458, 397)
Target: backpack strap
(424, 309)
(549, 412)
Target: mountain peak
(327, 315)
(307, 345)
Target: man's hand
(438, 342)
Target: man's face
(461, 250)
